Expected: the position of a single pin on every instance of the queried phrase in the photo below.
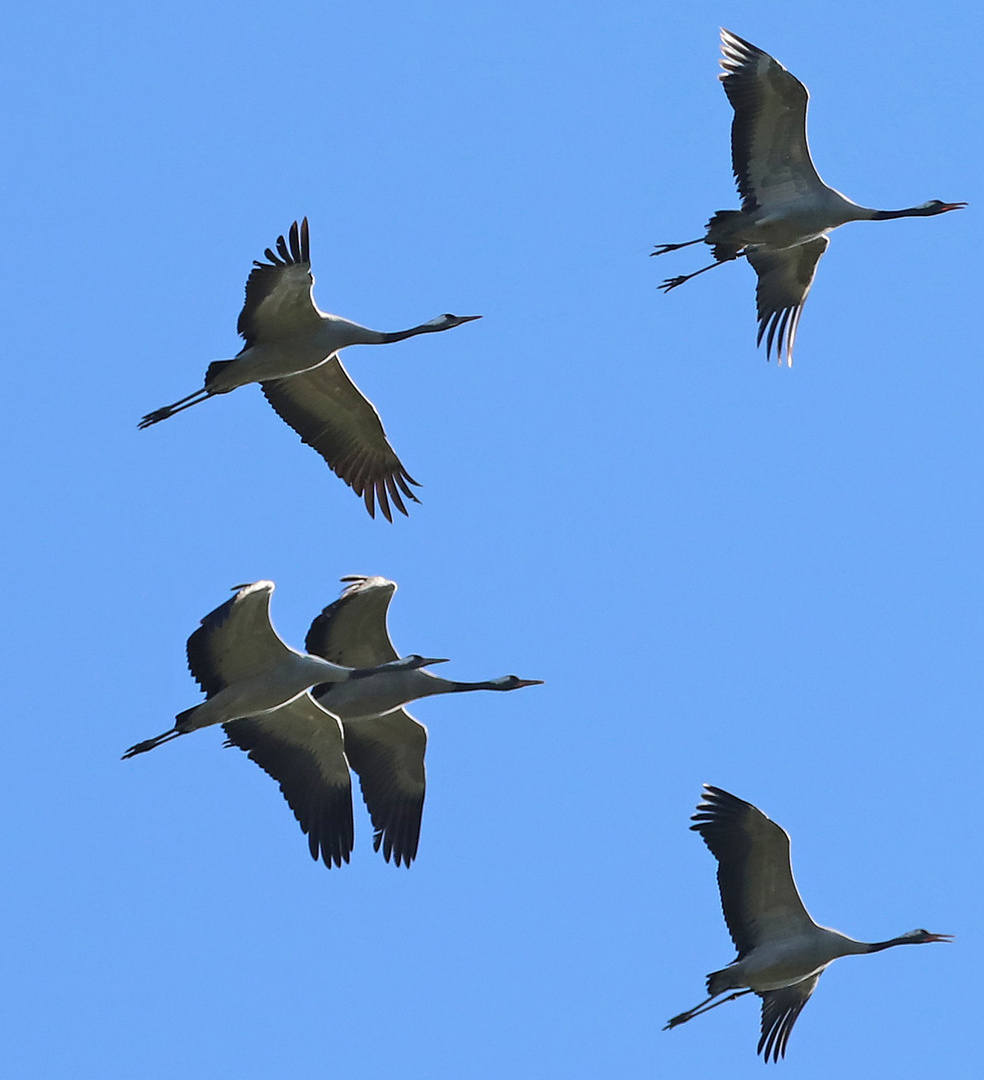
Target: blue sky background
(765, 579)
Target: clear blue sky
(765, 579)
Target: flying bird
(292, 351)
(786, 209)
(782, 952)
(381, 741)
(245, 668)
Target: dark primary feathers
(279, 294)
(223, 649)
(755, 878)
(785, 278)
(330, 414)
(780, 1009)
(769, 152)
(386, 752)
(300, 746)
(354, 626)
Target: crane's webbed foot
(674, 282)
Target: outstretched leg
(150, 744)
(703, 1007)
(662, 249)
(674, 282)
(179, 406)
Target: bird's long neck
(436, 685)
(878, 946)
(888, 215)
(354, 334)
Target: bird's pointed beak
(529, 682)
(952, 206)
(468, 318)
(940, 937)
(428, 661)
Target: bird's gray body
(246, 669)
(787, 211)
(781, 951)
(363, 724)
(292, 350)
(778, 963)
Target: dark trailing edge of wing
(264, 276)
(780, 1010)
(200, 660)
(720, 822)
(746, 93)
(319, 635)
(395, 816)
(323, 811)
(373, 474)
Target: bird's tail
(719, 981)
(215, 369)
(719, 232)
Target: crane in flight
(782, 952)
(244, 667)
(786, 209)
(380, 740)
(292, 351)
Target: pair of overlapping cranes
(306, 718)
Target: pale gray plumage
(781, 951)
(292, 351)
(245, 668)
(786, 210)
(382, 743)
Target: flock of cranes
(310, 718)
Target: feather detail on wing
(279, 294)
(300, 746)
(235, 640)
(780, 1008)
(329, 413)
(388, 754)
(352, 631)
(758, 894)
(769, 151)
(785, 277)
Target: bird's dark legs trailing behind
(179, 406)
(662, 249)
(703, 1007)
(150, 744)
(673, 282)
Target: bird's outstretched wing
(387, 752)
(769, 151)
(300, 746)
(780, 1008)
(758, 894)
(785, 277)
(280, 294)
(352, 631)
(329, 413)
(236, 640)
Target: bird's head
(923, 937)
(936, 206)
(414, 661)
(405, 663)
(447, 321)
(514, 682)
